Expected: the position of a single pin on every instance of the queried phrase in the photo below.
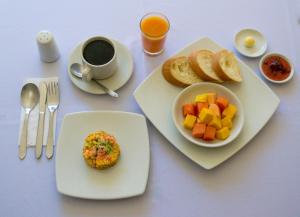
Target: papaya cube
(189, 121)
(198, 130)
(210, 133)
(205, 116)
(201, 98)
(199, 106)
(215, 109)
(216, 122)
(227, 122)
(211, 98)
(222, 102)
(188, 109)
(223, 133)
(230, 111)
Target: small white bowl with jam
(276, 68)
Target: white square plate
(252, 92)
(126, 179)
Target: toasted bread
(226, 66)
(201, 63)
(177, 71)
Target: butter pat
(189, 121)
(249, 42)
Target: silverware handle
(39, 137)
(106, 90)
(23, 141)
(49, 146)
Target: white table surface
(261, 180)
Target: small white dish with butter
(250, 43)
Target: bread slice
(201, 63)
(226, 66)
(177, 71)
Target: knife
(40, 132)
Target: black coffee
(98, 52)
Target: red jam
(276, 68)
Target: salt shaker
(47, 46)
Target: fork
(52, 104)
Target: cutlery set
(47, 94)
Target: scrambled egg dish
(101, 150)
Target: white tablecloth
(261, 180)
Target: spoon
(29, 98)
(76, 71)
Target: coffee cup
(99, 58)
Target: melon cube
(222, 102)
(215, 109)
(198, 130)
(188, 109)
(210, 133)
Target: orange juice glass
(154, 28)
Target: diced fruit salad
(209, 117)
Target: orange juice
(154, 27)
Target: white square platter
(155, 97)
(125, 179)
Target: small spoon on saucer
(29, 99)
(76, 71)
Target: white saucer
(117, 80)
(259, 48)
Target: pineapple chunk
(189, 121)
(205, 116)
(211, 98)
(215, 122)
(223, 133)
(201, 98)
(227, 122)
(230, 111)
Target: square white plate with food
(259, 103)
(128, 178)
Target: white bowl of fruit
(208, 114)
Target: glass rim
(158, 14)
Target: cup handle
(86, 73)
